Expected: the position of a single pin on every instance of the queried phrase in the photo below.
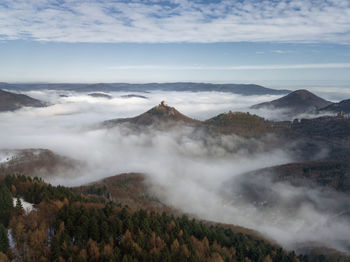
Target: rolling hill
(297, 102)
(158, 115)
(100, 95)
(36, 162)
(326, 173)
(343, 106)
(11, 101)
(243, 124)
(129, 189)
(134, 96)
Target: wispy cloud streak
(229, 68)
(175, 21)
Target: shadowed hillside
(100, 95)
(341, 107)
(327, 127)
(328, 173)
(128, 189)
(297, 102)
(37, 162)
(11, 101)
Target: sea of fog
(199, 175)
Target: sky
(273, 43)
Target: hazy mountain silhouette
(11, 101)
(243, 89)
(297, 102)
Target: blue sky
(266, 42)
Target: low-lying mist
(198, 105)
(201, 175)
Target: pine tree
(94, 231)
(19, 207)
(6, 205)
(4, 241)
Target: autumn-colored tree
(175, 246)
(3, 257)
(93, 249)
(67, 226)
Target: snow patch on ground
(12, 242)
(28, 207)
(6, 156)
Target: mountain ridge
(243, 89)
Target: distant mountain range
(297, 102)
(304, 139)
(11, 101)
(243, 89)
(163, 116)
(315, 134)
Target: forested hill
(70, 226)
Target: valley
(245, 178)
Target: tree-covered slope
(68, 226)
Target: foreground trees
(68, 226)
(6, 205)
(4, 242)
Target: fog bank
(198, 174)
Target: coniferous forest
(70, 226)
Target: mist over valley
(206, 154)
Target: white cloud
(175, 21)
(281, 52)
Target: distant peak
(299, 101)
(302, 93)
(163, 109)
(160, 113)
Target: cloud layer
(208, 170)
(175, 21)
